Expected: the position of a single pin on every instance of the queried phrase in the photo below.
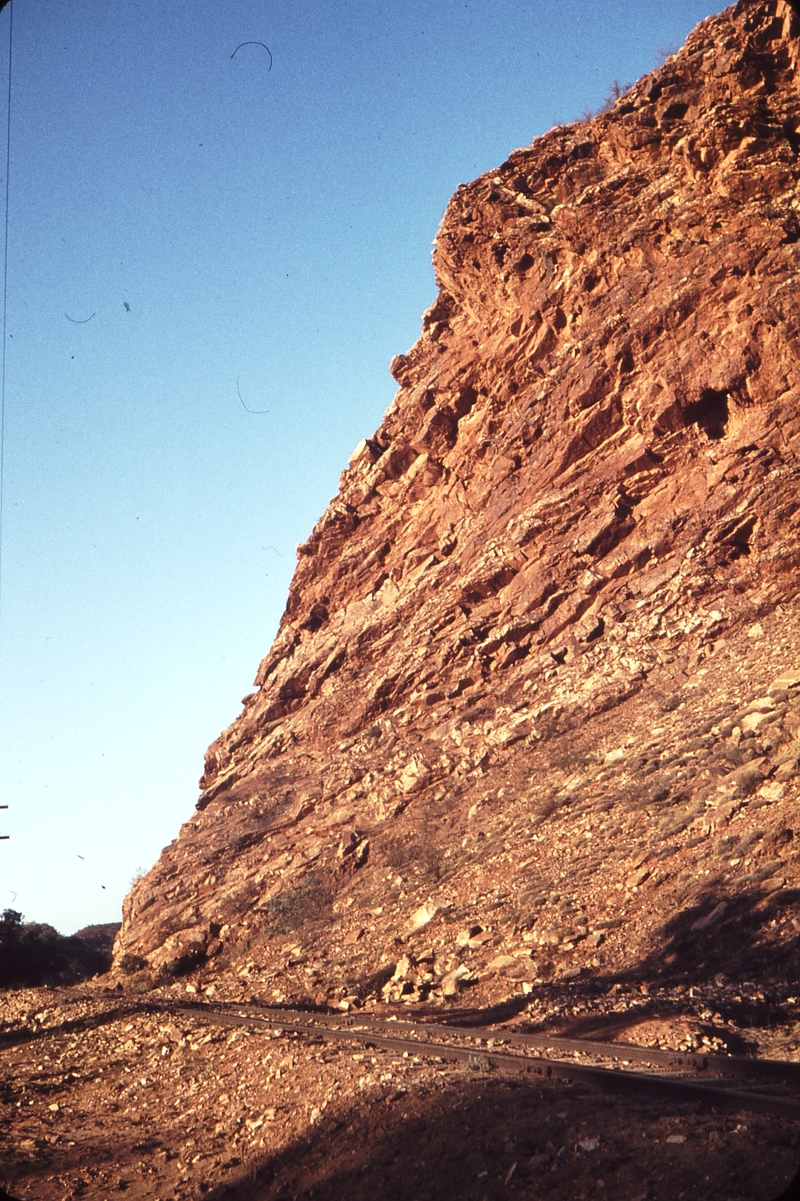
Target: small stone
(415, 775)
(743, 780)
(464, 936)
(755, 631)
(785, 681)
(539, 1161)
(500, 962)
(398, 368)
(676, 1139)
(752, 721)
(420, 918)
(451, 983)
(710, 919)
(588, 1145)
(762, 704)
(521, 968)
(590, 627)
(402, 968)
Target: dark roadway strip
(651, 1086)
(779, 1071)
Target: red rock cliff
(547, 558)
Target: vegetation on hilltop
(33, 953)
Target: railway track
(737, 1083)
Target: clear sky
(180, 220)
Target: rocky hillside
(533, 710)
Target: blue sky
(271, 227)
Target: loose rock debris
(99, 1098)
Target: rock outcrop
(533, 700)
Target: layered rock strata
(550, 614)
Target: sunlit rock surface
(539, 667)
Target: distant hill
(100, 937)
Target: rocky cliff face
(533, 693)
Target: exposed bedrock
(558, 547)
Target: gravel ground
(98, 1098)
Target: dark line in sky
(269, 52)
(76, 322)
(257, 412)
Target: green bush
(310, 903)
(132, 963)
(409, 853)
